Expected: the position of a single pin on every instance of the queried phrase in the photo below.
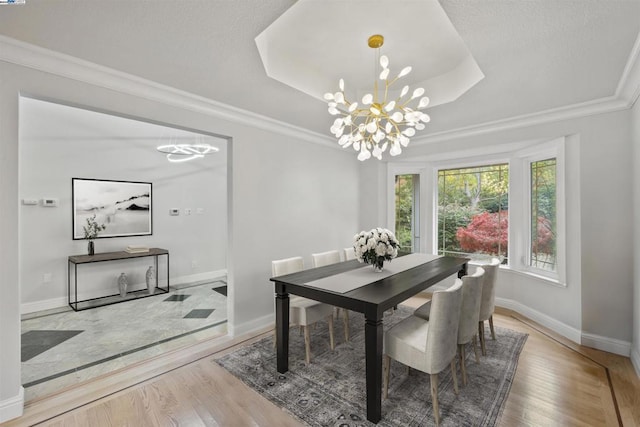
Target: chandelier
(382, 120)
(177, 153)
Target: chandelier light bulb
(382, 122)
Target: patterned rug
(331, 391)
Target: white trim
(251, 326)
(13, 407)
(61, 302)
(557, 326)
(635, 360)
(612, 345)
(27, 55)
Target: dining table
(355, 286)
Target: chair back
(325, 258)
(349, 253)
(281, 267)
(442, 339)
(488, 304)
(470, 309)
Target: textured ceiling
(536, 55)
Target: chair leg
(386, 368)
(463, 367)
(434, 398)
(454, 376)
(345, 317)
(332, 342)
(307, 345)
(481, 335)
(493, 332)
(475, 348)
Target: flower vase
(151, 280)
(122, 285)
(378, 266)
(90, 249)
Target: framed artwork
(124, 207)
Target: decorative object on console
(151, 280)
(124, 207)
(91, 231)
(375, 246)
(136, 249)
(122, 285)
(383, 120)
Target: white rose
(390, 250)
(371, 243)
(381, 249)
(395, 253)
(384, 237)
(362, 241)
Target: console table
(76, 260)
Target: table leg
(463, 271)
(373, 354)
(282, 327)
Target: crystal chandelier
(381, 121)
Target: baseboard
(251, 326)
(635, 360)
(563, 329)
(13, 407)
(612, 345)
(61, 302)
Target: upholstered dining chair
(427, 345)
(469, 315)
(488, 302)
(349, 253)
(303, 312)
(327, 258)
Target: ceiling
(536, 55)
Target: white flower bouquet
(375, 246)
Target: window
(543, 223)
(407, 198)
(473, 211)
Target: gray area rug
(331, 391)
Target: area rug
(331, 391)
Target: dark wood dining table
(372, 299)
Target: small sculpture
(122, 285)
(151, 280)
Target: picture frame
(124, 207)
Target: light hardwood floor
(557, 383)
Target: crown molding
(63, 65)
(31, 56)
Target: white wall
(596, 305)
(635, 126)
(58, 143)
(288, 197)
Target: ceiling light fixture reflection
(177, 153)
(384, 120)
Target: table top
(113, 256)
(377, 296)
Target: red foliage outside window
(487, 233)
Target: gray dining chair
(488, 302)
(303, 312)
(427, 345)
(469, 315)
(327, 258)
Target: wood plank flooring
(557, 383)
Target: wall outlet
(46, 278)
(30, 202)
(174, 211)
(187, 211)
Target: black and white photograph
(123, 207)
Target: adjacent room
(307, 212)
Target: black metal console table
(76, 260)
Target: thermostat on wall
(174, 211)
(50, 203)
